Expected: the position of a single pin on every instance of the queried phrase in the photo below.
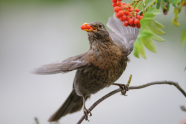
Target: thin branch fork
(132, 88)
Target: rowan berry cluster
(126, 13)
(86, 26)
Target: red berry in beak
(83, 27)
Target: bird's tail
(72, 104)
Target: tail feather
(72, 104)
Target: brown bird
(97, 68)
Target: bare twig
(130, 88)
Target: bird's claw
(86, 112)
(124, 89)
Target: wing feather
(70, 64)
(123, 36)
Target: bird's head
(95, 30)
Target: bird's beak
(88, 27)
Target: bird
(99, 67)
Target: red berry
(131, 21)
(124, 11)
(118, 3)
(141, 17)
(83, 27)
(123, 18)
(128, 18)
(88, 26)
(114, 4)
(131, 10)
(126, 23)
(117, 8)
(114, 1)
(127, 4)
(120, 13)
(138, 26)
(119, 0)
(137, 10)
(117, 15)
(138, 16)
(123, 3)
(136, 21)
(127, 13)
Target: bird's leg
(86, 112)
(123, 87)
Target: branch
(131, 88)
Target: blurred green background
(37, 32)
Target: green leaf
(149, 44)
(140, 48)
(175, 2)
(149, 15)
(157, 24)
(158, 4)
(165, 5)
(154, 11)
(183, 36)
(144, 33)
(139, 5)
(162, 4)
(176, 16)
(175, 22)
(145, 21)
(177, 10)
(168, 6)
(136, 54)
(156, 30)
(157, 38)
(147, 4)
(185, 68)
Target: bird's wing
(123, 36)
(67, 65)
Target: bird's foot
(86, 112)
(124, 88)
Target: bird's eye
(100, 25)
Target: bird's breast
(110, 61)
(106, 59)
